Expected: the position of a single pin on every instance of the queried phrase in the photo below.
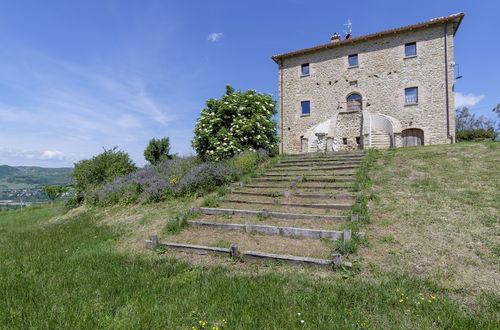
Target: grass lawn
(87, 268)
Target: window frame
(349, 60)
(302, 113)
(302, 66)
(407, 44)
(409, 88)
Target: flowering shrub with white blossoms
(238, 121)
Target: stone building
(387, 89)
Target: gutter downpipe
(446, 83)
(281, 103)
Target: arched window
(354, 102)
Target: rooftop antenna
(348, 30)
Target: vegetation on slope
(71, 276)
(437, 214)
(88, 268)
(11, 177)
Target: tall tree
(497, 111)
(467, 121)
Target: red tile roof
(456, 18)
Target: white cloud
(52, 154)
(467, 100)
(50, 158)
(215, 36)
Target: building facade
(387, 89)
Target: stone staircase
(380, 139)
(284, 214)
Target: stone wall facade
(382, 74)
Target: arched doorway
(412, 137)
(354, 102)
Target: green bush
(101, 169)
(476, 134)
(238, 121)
(210, 201)
(158, 151)
(175, 226)
(247, 161)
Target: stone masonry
(380, 78)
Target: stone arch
(354, 101)
(412, 137)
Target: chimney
(335, 37)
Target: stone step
(266, 213)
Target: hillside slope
(436, 214)
(32, 175)
(431, 261)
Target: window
(358, 139)
(411, 49)
(306, 107)
(353, 60)
(344, 140)
(305, 69)
(411, 95)
(354, 102)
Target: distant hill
(13, 177)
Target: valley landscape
(23, 185)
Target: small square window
(411, 49)
(411, 95)
(305, 69)
(306, 107)
(344, 140)
(353, 60)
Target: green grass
(436, 214)
(78, 271)
(67, 274)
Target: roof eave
(444, 20)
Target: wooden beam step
(274, 230)
(267, 213)
(304, 169)
(265, 187)
(305, 174)
(258, 255)
(326, 160)
(322, 196)
(299, 179)
(314, 206)
(348, 188)
(318, 164)
(326, 154)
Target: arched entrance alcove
(354, 102)
(412, 137)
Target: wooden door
(413, 137)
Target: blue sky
(77, 76)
